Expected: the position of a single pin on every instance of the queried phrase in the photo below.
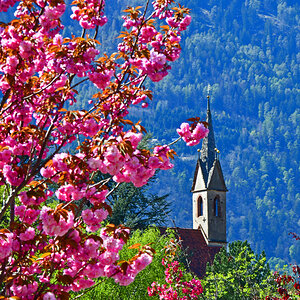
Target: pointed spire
(208, 152)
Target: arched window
(217, 206)
(200, 207)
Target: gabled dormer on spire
(209, 190)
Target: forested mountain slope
(249, 52)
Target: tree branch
(5, 97)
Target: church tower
(209, 191)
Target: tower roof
(208, 163)
(208, 152)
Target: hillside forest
(248, 51)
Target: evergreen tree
(137, 208)
(238, 273)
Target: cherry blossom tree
(178, 283)
(49, 249)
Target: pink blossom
(11, 65)
(101, 80)
(94, 271)
(47, 172)
(6, 156)
(159, 59)
(93, 219)
(96, 198)
(123, 279)
(90, 16)
(172, 22)
(26, 215)
(60, 82)
(91, 248)
(185, 23)
(94, 163)
(74, 234)
(81, 283)
(173, 54)
(141, 262)
(25, 49)
(4, 86)
(90, 54)
(137, 100)
(90, 127)
(174, 276)
(57, 40)
(6, 241)
(58, 162)
(49, 296)
(130, 23)
(33, 200)
(6, 4)
(24, 291)
(156, 67)
(28, 235)
(113, 160)
(55, 12)
(110, 243)
(109, 257)
(161, 8)
(192, 136)
(12, 176)
(68, 193)
(161, 153)
(134, 138)
(51, 226)
(147, 33)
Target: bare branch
(45, 87)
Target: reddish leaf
(135, 246)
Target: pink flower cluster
(6, 241)
(49, 20)
(128, 168)
(69, 193)
(90, 259)
(105, 261)
(162, 48)
(56, 228)
(176, 288)
(40, 70)
(101, 80)
(181, 25)
(161, 8)
(155, 67)
(138, 174)
(139, 264)
(33, 200)
(28, 235)
(192, 136)
(89, 13)
(147, 34)
(24, 291)
(6, 4)
(26, 214)
(94, 218)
